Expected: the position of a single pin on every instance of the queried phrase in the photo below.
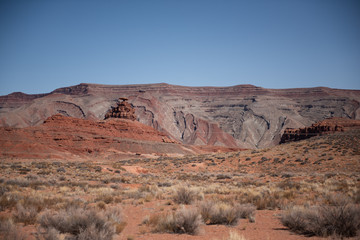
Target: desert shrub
(26, 215)
(97, 168)
(8, 231)
(186, 221)
(94, 232)
(82, 223)
(340, 219)
(288, 184)
(49, 234)
(357, 196)
(61, 169)
(118, 166)
(148, 192)
(164, 184)
(135, 194)
(62, 178)
(32, 182)
(218, 213)
(287, 175)
(18, 182)
(29, 206)
(225, 213)
(119, 227)
(300, 219)
(223, 176)
(35, 201)
(7, 201)
(3, 190)
(101, 205)
(114, 215)
(184, 195)
(106, 198)
(264, 200)
(246, 211)
(72, 203)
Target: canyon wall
(243, 116)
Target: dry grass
(224, 213)
(26, 215)
(265, 179)
(186, 221)
(184, 195)
(82, 223)
(8, 201)
(9, 231)
(340, 219)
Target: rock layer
(243, 116)
(122, 110)
(326, 126)
(68, 138)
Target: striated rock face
(122, 110)
(243, 116)
(61, 137)
(326, 126)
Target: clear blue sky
(47, 44)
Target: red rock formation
(123, 110)
(64, 137)
(68, 138)
(249, 116)
(330, 125)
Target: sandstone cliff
(244, 116)
(122, 110)
(327, 126)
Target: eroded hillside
(241, 116)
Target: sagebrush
(185, 220)
(82, 223)
(342, 219)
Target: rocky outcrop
(246, 116)
(122, 110)
(326, 126)
(71, 138)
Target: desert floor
(142, 191)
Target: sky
(48, 44)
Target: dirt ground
(305, 173)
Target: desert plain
(76, 177)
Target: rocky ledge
(122, 110)
(327, 126)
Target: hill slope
(244, 116)
(68, 138)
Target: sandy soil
(267, 226)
